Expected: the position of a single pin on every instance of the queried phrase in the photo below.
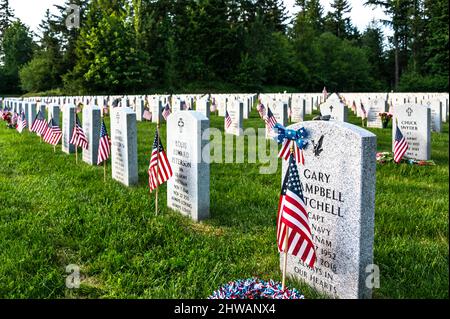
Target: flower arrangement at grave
(8, 118)
(254, 288)
(385, 118)
(388, 157)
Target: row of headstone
(223, 102)
(338, 182)
(375, 103)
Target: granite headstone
(124, 146)
(91, 127)
(338, 183)
(188, 154)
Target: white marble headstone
(338, 182)
(188, 155)
(140, 105)
(91, 128)
(203, 105)
(375, 107)
(298, 109)
(124, 146)
(436, 114)
(32, 112)
(235, 110)
(414, 122)
(53, 112)
(67, 128)
(335, 108)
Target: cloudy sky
(31, 12)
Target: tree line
(137, 46)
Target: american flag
(228, 120)
(166, 111)
(105, 107)
(324, 93)
(293, 219)
(270, 120)
(21, 123)
(39, 125)
(261, 110)
(213, 105)
(285, 152)
(53, 133)
(363, 111)
(14, 118)
(400, 146)
(354, 107)
(78, 137)
(159, 170)
(104, 146)
(147, 115)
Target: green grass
(54, 213)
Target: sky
(31, 12)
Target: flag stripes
(270, 120)
(292, 219)
(166, 112)
(39, 125)
(104, 146)
(285, 152)
(159, 170)
(400, 146)
(79, 139)
(21, 123)
(53, 133)
(228, 120)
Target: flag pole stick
(283, 281)
(157, 168)
(104, 171)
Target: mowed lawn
(54, 212)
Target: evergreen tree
(372, 43)
(6, 16)
(337, 22)
(17, 47)
(436, 47)
(107, 61)
(399, 12)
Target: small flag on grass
(400, 146)
(228, 120)
(159, 170)
(53, 133)
(78, 137)
(39, 125)
(21, 123)
(270, 120)
(166, 111)
(104, 146)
